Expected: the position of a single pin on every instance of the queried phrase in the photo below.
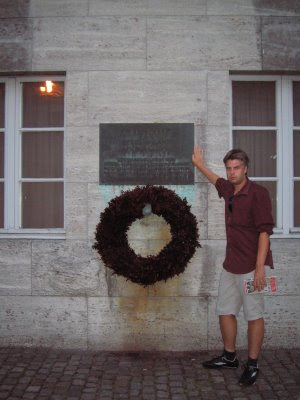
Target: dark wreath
(111, 235)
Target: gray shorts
(232, 297)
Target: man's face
(236, 171)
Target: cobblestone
(46, 374)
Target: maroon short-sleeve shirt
(247, 214)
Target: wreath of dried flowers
(111, 235)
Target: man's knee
(256, 321)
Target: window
(265, 122)
(2, 133)
(32, 155)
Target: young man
(249, 223)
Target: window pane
(1, 154)
(1, 205)
(42, 205)
(297, 153)
(261, 149)
(296, 103)
(42, 154)
(42, 109)
(297, 204)
(2, 104)
(253, 103)
(272, 188)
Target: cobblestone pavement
(27, 373)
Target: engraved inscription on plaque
(140, 154)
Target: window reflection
(42, 110)
(297, 204)
(253, 103)
(261, 149)
(2, 104)
(272, 189)
(1, 204)
(296, 103)
(42, 155)
(42, 205)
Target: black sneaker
(221, 362)
(249, 375)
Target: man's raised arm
(198, 161)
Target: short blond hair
(237, 154)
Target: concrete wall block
(76, 206)
(96, 205)
(15, 30)
(216, 145)
(116, 285)
(282, 322)
(98, 198)
(200, 137)
(82, 154)
(216, 219)
(119, 286)
(194, 43)
(199, 209)
(201, 218)
(211, 257)
(15, 267)
(148, 7)
(82, 44)
(66, 268)
(286, 257)
(15, 42)
(147, 97)
(58, 8)
(253, 7)
(77, 99)
(43, 321)
(200, 131)
(181, 285)
(16, 8)
(125, 324)
(281, 43)
(218, 99)
(201, 276)
(185, 284)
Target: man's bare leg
(228, 359)
(228, 326)
(256, 331)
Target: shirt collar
(245, 188)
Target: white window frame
(12, 161)
(284, 144)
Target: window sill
(58, 234)
(294, 234)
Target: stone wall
(145, 61)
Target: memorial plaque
(140, 154)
